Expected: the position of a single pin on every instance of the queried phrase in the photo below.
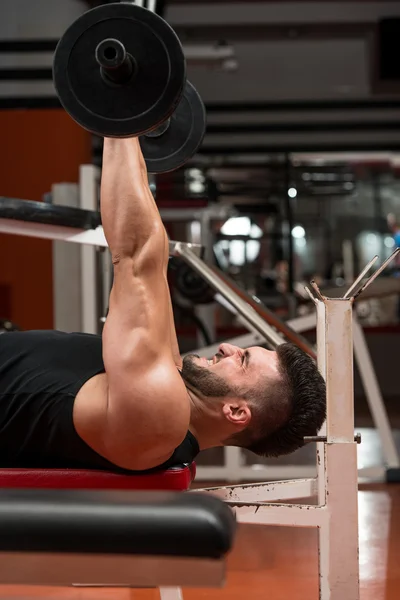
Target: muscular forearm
(130, 217)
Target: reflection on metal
(360, 277)
(316, 290)
(378, 272)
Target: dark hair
(295, 407)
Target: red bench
(175, 479)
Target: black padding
(393, 475)
(114, 522)
(48, 214)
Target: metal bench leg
(171, 593)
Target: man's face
(232, 368)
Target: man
(126, 401)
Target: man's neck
(203, 423)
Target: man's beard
(202, 380)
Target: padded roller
(136, 523)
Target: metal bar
(374, 396)
(322, 438)
(338, 536)
(285, 515)
(170, 593)
(265, 492)
(339, 370)
(360, 277)
(377, 272)
(317, 290)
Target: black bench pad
(115, 522)
(48, 214)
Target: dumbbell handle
(115, 64)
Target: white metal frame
(336, 485)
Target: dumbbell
(119, 71)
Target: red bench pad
(176, 479)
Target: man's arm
(148, 413)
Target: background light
(292, 192)
(196, 187)
(298, 232)
(236, 226)
(389, 242)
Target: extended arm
(137, 350)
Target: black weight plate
(112, 110)
(192, 286)
(183, 137)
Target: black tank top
(41, 373)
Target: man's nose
(227, 349)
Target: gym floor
(280, 563)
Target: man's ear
(237, 412)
